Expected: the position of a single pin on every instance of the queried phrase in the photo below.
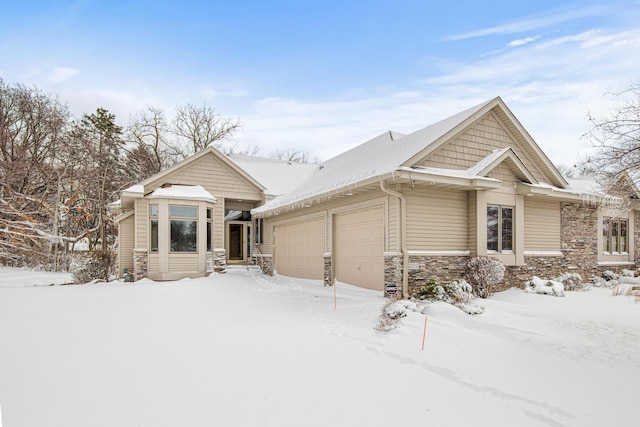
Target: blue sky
(327, 75)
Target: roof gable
(505, 157)
(509, 132)
(157, 179)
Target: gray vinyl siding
(473, 222)
(437, 220)
(541, 225)
(142, 225)
(183, 262)
(126, 243)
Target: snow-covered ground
(242, 349)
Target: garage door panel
(359, 248)
(300, 249)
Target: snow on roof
(193, 192)
(585, 185)
(450, 173)
(381, 155)
(134, 189)
(277, 176)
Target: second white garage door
(299, 249)
(359, 247)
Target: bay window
(183, 222)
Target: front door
(238, 241)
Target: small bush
(484, 274)
(545, 287)
(392, 312)
(610, 275)
(628, 273)
(458, 293)
(390, 316)
(431, 291)
(572, 282)
(96, 265)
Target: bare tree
(33, 148)
(567, 171)
(293, 155)
(200, 127)
(151, 151)
(616, 138)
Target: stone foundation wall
(327, 270)
(219, 260)
(393, 270)
(579, 238)
(265, 262)
(140, 264)
(423, 268)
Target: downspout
(403, 236)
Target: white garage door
(359, 248)
(299, 249)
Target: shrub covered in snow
(484, 274)
(572, 282)
(432, 290)
(628, 273)
(545, 287)
(609, 275)
(91, 266)
(390, 316)
(457, 292)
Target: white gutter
(403, 237)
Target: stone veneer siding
(327, 270)
(219, 260)
(393, 270)
(265, 262)
(140, 264)
(423, 268)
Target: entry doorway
(238, 241)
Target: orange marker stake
(424, 333)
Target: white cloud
(522, 42)
(550, 86)
(210, 92)
(62, 74)
(534, 22)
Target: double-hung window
(615, 235)
(209, 229)
(184, 228)
(500, 228)
(153, 217)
